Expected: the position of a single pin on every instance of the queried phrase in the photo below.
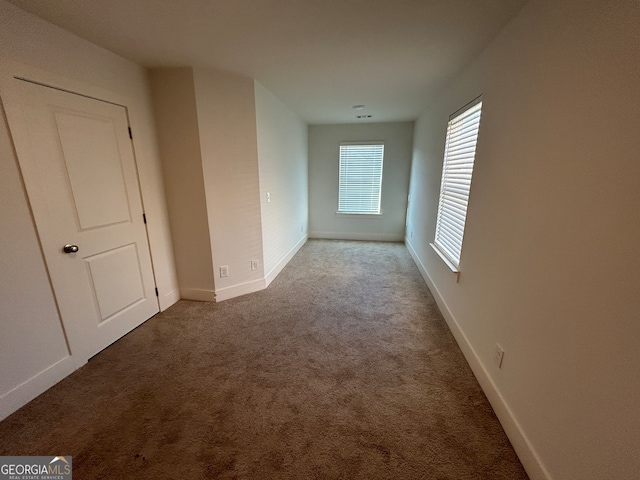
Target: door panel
(79, 170)
(94, 169)
(116, 279)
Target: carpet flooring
(342, 369)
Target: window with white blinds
(360, 180)
(459, 155)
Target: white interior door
(80, 173)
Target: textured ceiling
(318, 56)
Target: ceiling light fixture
(358, 107)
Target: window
(360, 179)
(459, 154)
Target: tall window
(360, 179)
(459, 155)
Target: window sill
(359, 215)
(444, 258)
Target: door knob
(68, 248)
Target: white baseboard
(22, 394)
(240, 289)
(275, 271)
(256, 285)
(376, 237)
(527, 454)
(197, 295)
(168, 299)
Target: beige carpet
(342, 369)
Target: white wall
(550, 266)
(225, 142)
(32, 341)
(32, 338)
(283, 167)
(177, 124)
(324, 153)
(228, 140)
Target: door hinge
(144, 217)
(130, 134)
(157, 292)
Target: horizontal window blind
(360, 179)
(459, 155)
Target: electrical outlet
(268, 197)
(498, 355)
(254, 265)
(224, 271)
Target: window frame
(455, 187)
(363, 213)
